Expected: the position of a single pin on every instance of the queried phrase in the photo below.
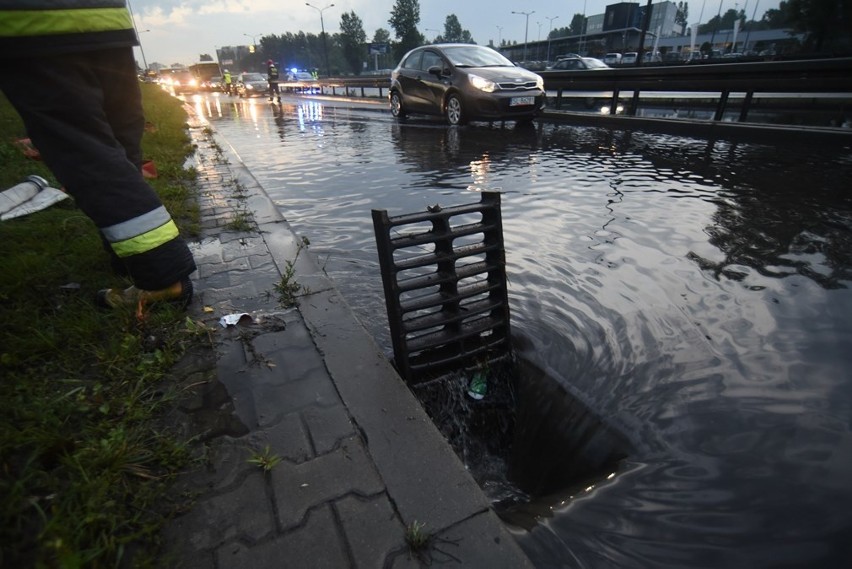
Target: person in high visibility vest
(68, 69)
(226, 77)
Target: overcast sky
(180, 30)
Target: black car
(464, 82)
(251, 84)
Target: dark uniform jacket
(34, 28)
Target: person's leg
(61, 100)
(123, 101)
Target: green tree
(453, 32)
(776, 19)
(726, 22)
(352, 41)
(577, 24)
(827, 23)
(682, 16)
(404, 19)
(385, 61)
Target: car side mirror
(435, 70)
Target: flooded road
(694, 294)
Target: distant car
(179, 81)
(612, 58)
(578, 63)
(309, 82)
(629, 58)
(464, 82)
(212, 84)
(251, 85)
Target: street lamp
(142, 51)
(526, 29)
(432, 30)
(322, 27)
(549, 34)
(253, 47)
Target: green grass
(83, 462)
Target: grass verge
(84, 463)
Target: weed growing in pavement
(84, 462)
(240, 192)
(287, 288)
(242, 220)
(265, 460)
(424, 545)
(416, 537)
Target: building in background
(619, 29)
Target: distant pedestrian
(76, 89)
(272, 77)
(226, 77)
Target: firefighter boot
(178, 294)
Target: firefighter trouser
(83, 112)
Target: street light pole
(253, 42)
(322, 27)
(142, 51)
(526, 29)
(549, 34)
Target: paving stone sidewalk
(359, 459)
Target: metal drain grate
(444, 276)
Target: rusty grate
(444, 276)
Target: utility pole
(526, 29)
(549, 34)
(322, 27)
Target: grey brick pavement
(360, 460)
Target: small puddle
(528, 442)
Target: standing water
(693, 294)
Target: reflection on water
(693, 293)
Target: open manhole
(522, 435)
(527, 441)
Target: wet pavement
(353, 460)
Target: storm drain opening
(523, 437)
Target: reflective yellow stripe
(21, 23)
(147, 241)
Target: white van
(612, 58)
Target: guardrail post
(746, 104)
(723, 102)
(634, 103)
(614, 106)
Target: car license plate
(518, 101)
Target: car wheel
(396, 106)
(453, 110)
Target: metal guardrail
(830, 76)
(358, 83)
(833, 76)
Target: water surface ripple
(694, 293)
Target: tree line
(827, 25)
(348, 49)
